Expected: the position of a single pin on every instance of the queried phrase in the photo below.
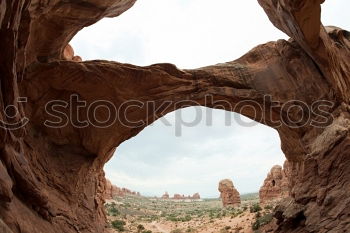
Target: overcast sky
(191, 34)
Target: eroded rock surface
(52, 179)
(276, 186)
(228, 193)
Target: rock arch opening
(189, 34)
(191, 150)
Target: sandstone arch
(51, 180)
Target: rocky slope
(228, 193)
(275, 185)
(51, 178)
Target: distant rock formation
(165, 196)
(196, 196)
(229, 195)
(176, 196)
(276, 185)
(113, 191)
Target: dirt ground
(149, 215)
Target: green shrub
(118, 225)
(187, 218)
(255, 208)
(140, 228)
(225, 229)
(257, 215)
(176, 231)
(261, 221)
(148, 231)
(191, 230)
(113, 211)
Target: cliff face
(51, 177)
(112, 191)
(228, 193)
(276, 186)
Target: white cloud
(190, 34)
(156, 160)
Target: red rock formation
(196, 196)
(275, 186)
(228, 193)
(165, 196)
(178, 197)
(51, 178)
(113, 191)
(108, 190)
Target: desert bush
(255, 208)
(140, 228)
(226, 229)
(261, 221)
(257, 215)
(187, 218)
(176, 231)
(191, 230)
(112, 210)
(148, 231)
(118, 225)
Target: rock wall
(51, 178)
(276, 186)
(228, 193)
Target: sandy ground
(241, 223)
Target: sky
(192, 34)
